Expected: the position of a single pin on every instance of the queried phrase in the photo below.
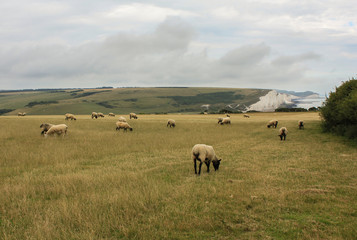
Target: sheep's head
(216, 164)
(131, 129)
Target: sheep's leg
(207, 164)
(199, 170)
(195, 165)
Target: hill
(125, 100)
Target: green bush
(339, 113)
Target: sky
(295, 45)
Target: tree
(339, 112)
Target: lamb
(220, 119)
(122, 119)
(272, 123)
(94, 115)
(100, 115)
(21, 114)
(171, 123)
(45, 127)
(204, 153)
(301, 124)
(133, 115)
(70, 116)
(111, 115)
(60, 129)
(226, 120)
(282, 133)
(246, 116)
(123, 125)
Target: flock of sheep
(200, 152)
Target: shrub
(339, 112)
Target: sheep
(111, 115)
(272, 123)
(100, 115)
(246, 116)
(133, 115)
(171, 123)
(282, 133)
(226, 120)
(20, 114)
(94, 115)
(227, 115)
(45, 127)
(60, 129)
(220, 119)
(122, 119)
(70, 116)
(123, 125)
(204, 153)
(301, 124)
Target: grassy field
(97, 183)
(126, 100)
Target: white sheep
(220, 119)
(21, 114)
(70, 116)
(100, 115)
(133, 115)
(60, 129)
(122, 119)
(94, 115)
(111, 115)
(282, 133)
(246, 116)
(301, 124)
(45, 127)
(204, 153)
(171, 123)
(272, 123)
(123, 125)
(226, 120)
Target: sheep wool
(226, 120)
(45, 127)
(60, 129)
(220, 119)
(301, 124)
(171, 123)
(272, 123)
(100, 115)
(246, 116)
(70, 116)
(133, 115)
(122, 119)
(111, 115)
(94, 115)
(282, 133)
(123, 125)
(204, 153)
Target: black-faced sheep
(60, 129)
(123, 125)
(45, 127)
(171, 123)
(246, 116)
(21, 114)
(282, 133)
(70, 116)
(301, 124)
(272, 123)
(133, 115)
(111, 115)
(226, 120)
(94, 115)
(122, 119)
(220, 119)
(100, 115)
(204, 153)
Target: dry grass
(97, 183)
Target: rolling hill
(125, 100)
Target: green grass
(126, 100)
(98, 183)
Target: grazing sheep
(60, 129)
(20, 114)
(122, 119)
(301, 124)
(282, 133)
(246, 116)
(171, 123)
(272, 123)
(70, 116)
(100, 115)
(226, 120)
(111, 115)
(94, 115)
(123, 125)
(45, 127)
(220, 119)
(133, 115)
(204, 153)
